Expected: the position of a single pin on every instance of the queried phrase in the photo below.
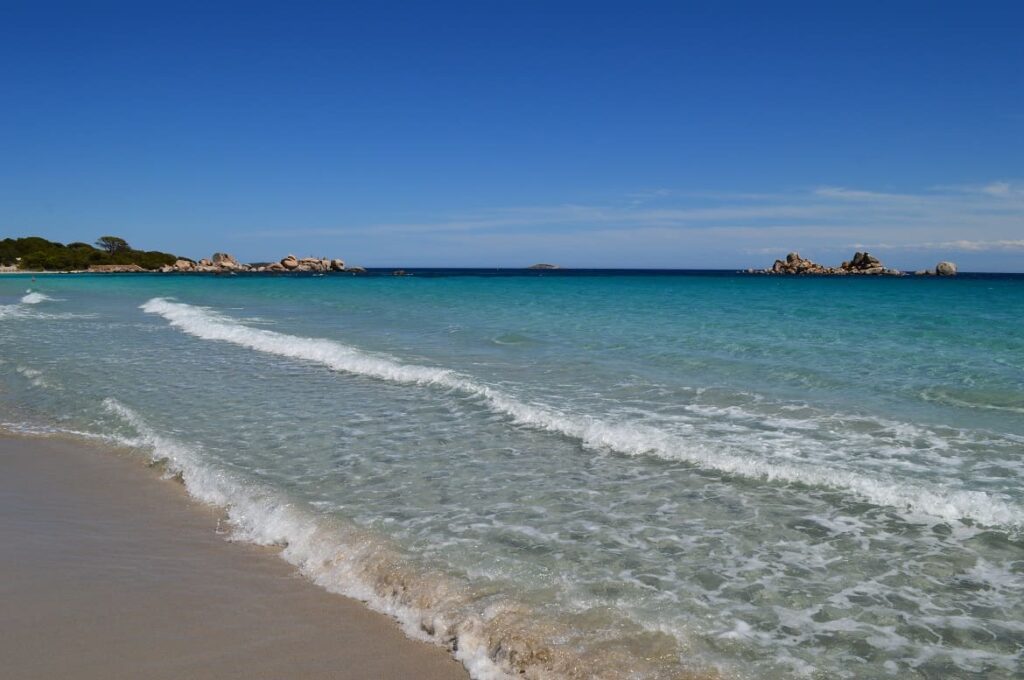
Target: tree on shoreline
(112, 244)
(35, 253)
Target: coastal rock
(861, 264)
(225, 263)
(115, 268)
(399, 272)
(945, 269)
(356, 270)
(544, 265)
(225, 260)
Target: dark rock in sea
(544, 265)
(355, 270)
(945, 269)
(399, 272)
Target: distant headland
(112, 254)
(33, 253)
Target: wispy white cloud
(959, 245)
(1001, 189)
(675, 225)
(998, 189)
(861, 195)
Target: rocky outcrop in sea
(944, 268)
(860, 264)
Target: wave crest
(594, 433)
(494, 637)
(34, 298)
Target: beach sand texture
(108, 572)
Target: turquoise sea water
(584, 474)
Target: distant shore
(109, 572)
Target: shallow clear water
(620, 475)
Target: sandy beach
(108, 571)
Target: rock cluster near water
(115, 268)
(222, 263)
(860, 264)
(941, 269)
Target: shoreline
(108, 571)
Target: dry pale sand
(106, 571)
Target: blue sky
(504, 133)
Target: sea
(582, 474)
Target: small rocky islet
(861, 264)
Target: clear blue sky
(504, 133)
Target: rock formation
(225, 261)
(222, 263)
(944, 268)
(543, 265)
(859, 264)
(115, 268)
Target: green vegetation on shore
(35, 253)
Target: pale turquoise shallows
(620, 475)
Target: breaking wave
(594, 433)
(34, 298)
(494, 637)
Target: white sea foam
(34, 298)
(940, 397)
(340, 560)
(9, 311)
(595, 433)
(31, 297)
(35, 377)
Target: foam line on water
(359, 567)
(34, 298)
(593, 433)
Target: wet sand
(107, 571)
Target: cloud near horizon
(666, 227)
